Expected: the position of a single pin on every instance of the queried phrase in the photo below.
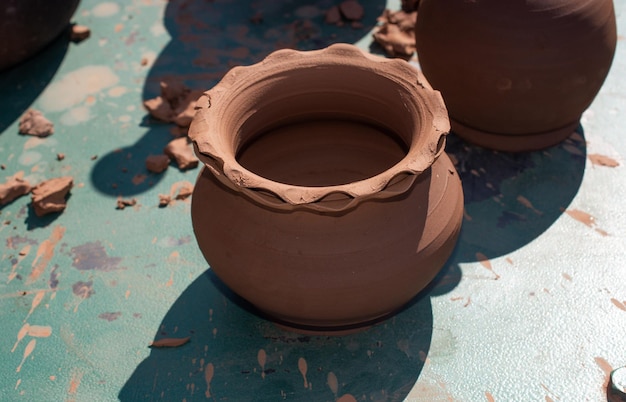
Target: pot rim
(218, 152)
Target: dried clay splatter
(302, 366)
(332, 382)
(602, 160)
(45, 252)
(169, 342)
(262, 359)
(208, 376)
(484, 261)
(35, 303)
(585, 218)
(27, 351)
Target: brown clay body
(516, 75)
(27, 26)
(326, 199)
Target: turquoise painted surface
(531, 306)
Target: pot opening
(323, 126)
(322, 152)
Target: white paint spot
(105, 9)
(29, 158)
(75, 86)
(102, 42)
(76, 116)
(157, 29)
(117, 91)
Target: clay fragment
(123, 203)
(33, 122)
(13, 188)
(50, 196)
(351, 10)
(176, 104)
(333, 16)
(157, 163)
(169, 342)
(159, 108)
(181, 152)
(60, 156)
(79, 33)
(185, 191)
(396, 33)
(186, 109)
(164, 200)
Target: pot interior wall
(322, 152)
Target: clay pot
(326, 199)
(516, 75)
(27, 26)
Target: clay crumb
(123, 203)
(159, 108)
(33, 122)
(351, 10)
(60, 157)
(164, 200)
(157, 163)
(79, 33)
(396, 33)
(186, 109)
(184, 192)
(144, 61)
(14, 187)
(94, 157)
(181, 152)
(169, 342)
(50, 196)
(333, 16)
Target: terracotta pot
(516, 75)
(27, 26)
(326, 200)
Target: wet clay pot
(27, 26)
(326, 199)
(516, 75)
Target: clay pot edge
(217, 157)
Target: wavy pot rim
(217, 147)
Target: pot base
(512, 142)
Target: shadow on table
(511, 199)
(235, 355)
(207, 39)
(23, 83)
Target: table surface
(530, 307)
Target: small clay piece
(181, 152)
(60, 156)
(14, 187)
(159, 108)
(396, 34)
(34, 123)
(333, 15)
(164, 200)
(123, 203)
(169, 342)
(185, 191)
(176, 104)
(519, 82)
(79, 33)
(157, 163)
(338, 197)
(50, 196)
(351, 10)
(186, 108)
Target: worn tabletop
(530, 307)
